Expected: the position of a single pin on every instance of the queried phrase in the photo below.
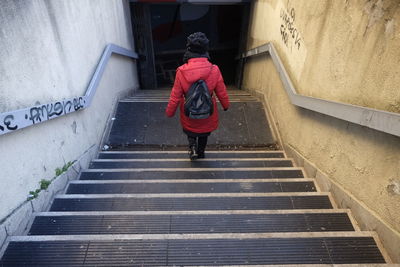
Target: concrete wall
(353, 45)
(346, 51)
(49, 50)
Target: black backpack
(198, 101)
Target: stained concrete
(344, 51)
(145, 123)
(17, 223)
(3, 235)
(348, 60)
(49, 51)
(367, 219)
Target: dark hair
(197, 43)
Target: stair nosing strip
(193, 195)
(189, 212)
(119, 237)
(144, 100)
(146, 97)
(164, 95)
(185, 152)
(194, 162)
(165, 98)
(166, 101)
(310, 265)
(179, 181)
(193, 169)
(167, 93)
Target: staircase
(156, 207)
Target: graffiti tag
(46, 112)
(289, 33)
(7, 123)
(41, 113)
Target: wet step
(184, 154)
(186, 163)
(181, 202)
(192, 250)
(194, 173)
(123, 223)
(191, 186)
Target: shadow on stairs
(246, 207)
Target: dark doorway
(160, 31)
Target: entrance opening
(160, 32)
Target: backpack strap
(211, 69)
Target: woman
(197, 67)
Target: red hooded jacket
(186, 75)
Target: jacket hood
(196, 69)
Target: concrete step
(159, 208)
(145, 124)
(86, 223)
(166, 96)
(184, 154)
(192, 173)
(182, 202)
(194, 249)
(189, 186)
(187, 163)
(234, 96)
(166, 99)
(167, 92)
(245, 94)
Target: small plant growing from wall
(60, 171)
(44, 184)
(33, 194)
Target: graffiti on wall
(8, 123)
(47, 112)
(289, 33)
(26, 117)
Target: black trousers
(199, 143)
(197, 140)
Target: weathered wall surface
(345, 51)
(49, 50)
(353, 44)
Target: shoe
(193, 153)
(200, 155)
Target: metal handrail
(19, 119)
(384, 121)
